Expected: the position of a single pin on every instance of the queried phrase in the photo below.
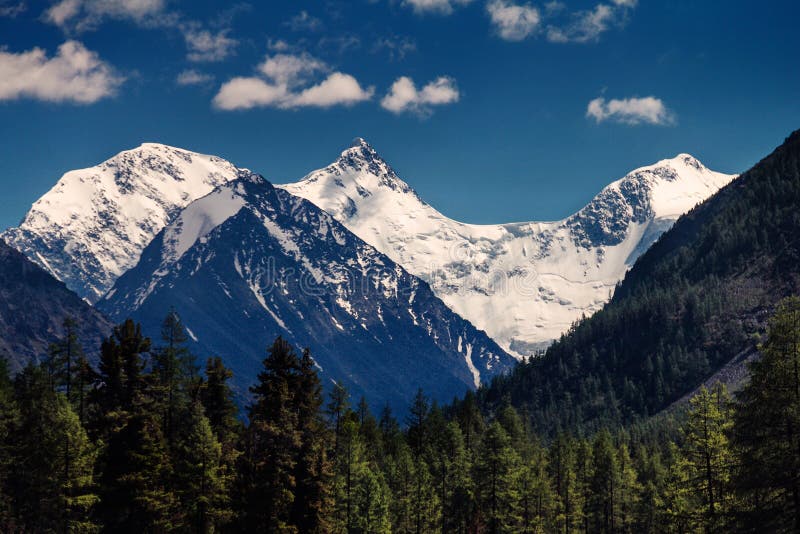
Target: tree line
(146, 442)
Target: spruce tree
(273, 443)
(135, 484)
(767, 427)
(174, 373)
(496, 470)
(604, 484)
(312, 469)
(706, 457)
(217, 399)
(54, 461)
(202, 481)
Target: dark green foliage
(173, 373)
(720, 465)
(52, 473)
(767, 429)
(217, 400)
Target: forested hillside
(697, 298)
(149, 444)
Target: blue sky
(494, 110)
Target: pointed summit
(360, 142)
(359, 170)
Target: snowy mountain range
(523, 283)
(249, 262)
(94, 223)
(389, 293)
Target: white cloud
(513, 22)
(286, 82)
(203, 45)
(587, 26)
(444, 7)
(193, 77)
(404, 96)
(74, 74)
(85, 14)
(291, 69)
(304, 22)
(647, 110)
(337, 89)
(246, 93)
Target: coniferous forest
(147, 442)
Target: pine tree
(536, 496)
(121, 385)
(767, 427)
(135, 492)
(569, 505)
(604, 483)
(63, 359)
(136, 470)
(457, 490)
(273, 442)
(312, 469)
(202, 481)
(706, 456)
(417, 416)
(496, 469)
(53, 460)
(174, 373)
(362, 500)
(628, 492)
(217, 399)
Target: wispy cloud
(205, 45)
(397, 48)
(588, 25)
(513, 22)
(81, 15)
(289, 81)
(404, 96)
(444, 7)
(202, 43)
(304, 22)
(193, 77)
(632, 111)
(74, 74)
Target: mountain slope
(249, 262)
(695, 301)
(524, 283)
(33, 306)
(93, 224)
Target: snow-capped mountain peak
(248, 262)
(359, 171)
(93, 224)
(523, 283)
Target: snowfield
(523, 283)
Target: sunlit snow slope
(94, 223)
(523, 283)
